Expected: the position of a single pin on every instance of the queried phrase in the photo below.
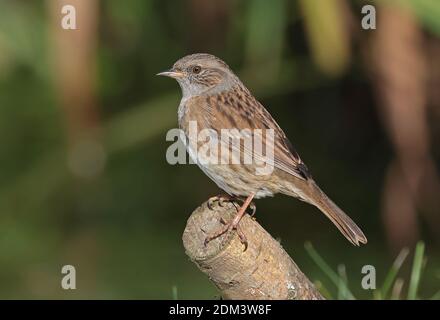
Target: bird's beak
(171, 73)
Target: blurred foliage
(122, 228)
(340, 281)
(427, 10)
(328, 34)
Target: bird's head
(201, 72)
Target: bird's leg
(233, 225)
(221, 199)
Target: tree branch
(263, 271)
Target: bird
(215, 99)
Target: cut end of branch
(263, 271)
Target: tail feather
(343, 222)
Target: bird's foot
(221, 199)
(226, 228)
(234, 224)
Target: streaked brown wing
(239, 109)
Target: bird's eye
(196, 69)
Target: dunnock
(214, 98)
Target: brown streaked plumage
(216, 99)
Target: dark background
(83, 175)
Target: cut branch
(263, 271)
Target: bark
(263, 271)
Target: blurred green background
(83, 175)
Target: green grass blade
(397, 289)
(174, 293)
(377, 295)
(416, 271)
(343, 283)
(392, 273)
(324, 291)
(332, 275)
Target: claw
(211, 201)
(220, 199)
(253, 209)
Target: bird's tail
(343, 222)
